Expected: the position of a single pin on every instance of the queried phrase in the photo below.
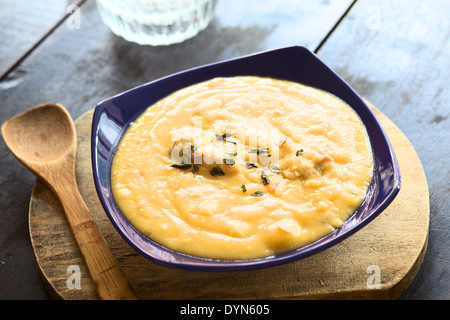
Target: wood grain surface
(396, 54)
(393, 244)
(24, 24)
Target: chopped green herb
(251, 165)
(244, 188)
(265, 178)
(258, 194)
(216, 171)
(229, 162)
(258, 150)
(274, 169)
(181, 166)
(193, 148)
(231, 153)
(195, 169)
(224, 136)
(299, 152)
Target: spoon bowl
(42, 134)
(44, 140)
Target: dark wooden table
(394, 53)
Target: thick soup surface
(242, 168)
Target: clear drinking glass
(156, 22)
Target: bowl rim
(167, 257)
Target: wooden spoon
(44, 140)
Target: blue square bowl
(113, 116)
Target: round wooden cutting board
(378, 262)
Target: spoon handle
(107, 276)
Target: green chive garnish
(299, 152)
(181, 166)
(274, 169)
(265, 178)
(244, 188)
(258, 194)
(258, 150)
(229, 162)
(216, 171)
(231, 153)
(251, 165)
(224, 136)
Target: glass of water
(156, 22)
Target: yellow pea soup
(242, 168)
